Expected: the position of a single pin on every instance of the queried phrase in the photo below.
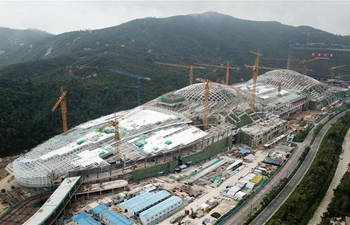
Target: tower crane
(255, 75)
(206, 101)
(206, 105)
(305, 62)
(308, 35)
(206, 97)
(138, 79)
(63, 102)
(219, 84)
(279, 89)
(338, 77)
(332, 72)
(288, 61)
(228, 67)
(191, 67)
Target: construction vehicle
(117, 208)
(63, 102)
(332, 73)
(228, 67)
(191, 67)
(138, 79)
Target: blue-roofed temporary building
(162, 210)
(136, 200)
(149, 189)
(97, 210)
(158, 197)
(112, 218)
(244, 151)
(84, 219)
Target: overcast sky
(63, 16)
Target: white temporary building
(233, 190)
(205, 206)
(250, 185)
(250, 158)
(239, 195)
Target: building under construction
(317, 59)
(187, 125)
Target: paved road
(241, 215)
(267, 213)
(339, 173)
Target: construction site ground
(207, 192)
(302, 119)
(213, 193)
(171, 183)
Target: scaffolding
(229, 110)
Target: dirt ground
(300, 120)
(7, 182)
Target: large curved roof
(290, 79)
(298, 83)
(217, 93)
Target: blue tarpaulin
(244, 151)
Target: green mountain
(32, 73)
(16, 44)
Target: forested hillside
(16, 44)
(32, 73)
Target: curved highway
(267, 213)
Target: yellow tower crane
(305, 62)
(255, 75)
(308, 35)
(228, 67)
(338, 77)
(206, 101)
(115, 123)
(288, 61)
(191, 67)
(206, 97)
(206, 105)
(63, 102)
(332, 73)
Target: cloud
(64, 16)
